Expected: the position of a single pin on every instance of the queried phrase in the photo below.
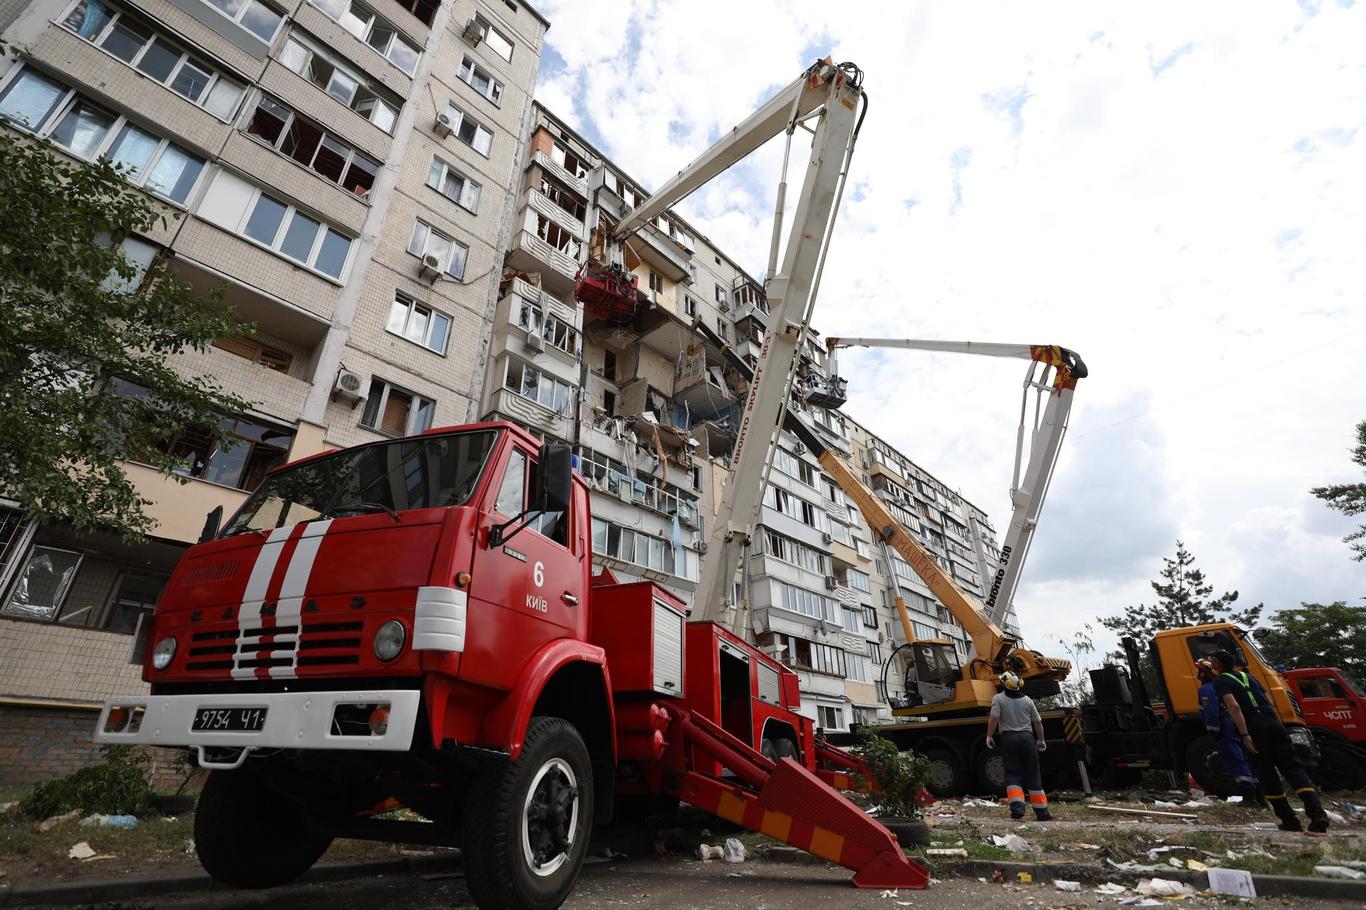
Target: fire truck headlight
(163, 653)
(389, 640)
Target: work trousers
(1020, 753)
(1276, 753)
(1232, 755)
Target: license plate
(235, 720)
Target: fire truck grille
(318, 644)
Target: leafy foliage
(1076, 689)
(79, 323)
(1183, 599)
(896, 778)
(1350, 498)
(116, 787)
(1318, 635)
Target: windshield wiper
(363, 507)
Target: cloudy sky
(1175, 190)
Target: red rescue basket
(608, 293)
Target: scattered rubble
(48, 824)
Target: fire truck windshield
(420, 473)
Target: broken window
(396, 411)
(452, 184)
(570, 204)
(43, 583)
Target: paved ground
(670, 883)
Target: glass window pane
(418, 241)
(175, 173)
(261, 21)
(294, 55)
(268, 121)
(342, 87)
(441, 326)
(483, 141)
(356, 20)
(192, 79)
(223, 98)
(88, 18)
(439, 246)
(381, 36)
(230, 7)
(298, 242)
(383, 116)
(332, 255)
(403, 55)
(30, 99)
(42, 586)
(83, 129)
(457, 266)
(160, 58)
(417, 326)
(265, 220)
(331, 159)
(126, 39)
(398, 316)
(133, 149)
(226, 463)
(301, 140)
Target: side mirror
(212, 521)
(554, 478)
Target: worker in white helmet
(1014, 716)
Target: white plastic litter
(1237, 882)
(1336, 818)
(1340, 872)
(707, 851)
(1066, 886)
(1111, 888)
(973, 802)
(1197, 804)
(1163, 804)
(80, 851)
(734, 851)
(1164, 887)
(109, 821)
(1012, 842)
(1234, 799)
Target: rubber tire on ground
(990, 771)
(948, 777)
(249, 836)
(1338, 768)
(496, 872)
(1205, 765)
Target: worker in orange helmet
(1220, 726)
(1014, 715)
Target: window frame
(456, 246)
(376, 20)
(236, 19)
(494, 95)
(216, 74)
(410, 427)
(313, 53)
(461, 117)
(487, 27)
(413, 304)
(21, 569)
(447, 169)
(541, 382)
(324, 134)
(67, 103)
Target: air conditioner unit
(702, 547)
(535, 342)
(831, 582)
(431, 266)
(473, 33)
(724, 307)
(827, 537)
(349, 385)
(881, 638)
(445, 124)
(798, 448)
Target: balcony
(577, 184)
(271, 392)
(530, 253)
(647, 495)
(650, 245)
(539, 202)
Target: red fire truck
(1335, 709)
(415, 623)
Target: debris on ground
(1024, 878)
(953, 852)
(7, 808)
(1336, 818)
(1012, 842)
(189, 847)
(1165, 887)
(708, 852)
(99, 820)
(733, 851)
(1339, 872)
(48, 824)
(1236, 882)
(974, 803)
(80, 851)
(1066, 886)
(1111, 888)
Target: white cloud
(1172, 190)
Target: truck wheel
(948, 777)
(1203, 761)
(249, 836)
(991, 772)
(526, 821)
(1338, 768)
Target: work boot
(1043, 815)
(1318, 824)
(1313, 807)
(1289, 820)
(1017, 811)
(1291, 824)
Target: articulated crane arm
(827, 100)
(995, 650)
(1053, 372)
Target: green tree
(1317, 635)
(1350, 498)
(84, 337)
(1184, 598)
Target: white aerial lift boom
(829, 102)
(1050, 382)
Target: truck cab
(1335, 709)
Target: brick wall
(40, 743)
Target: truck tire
(1204, 763)
(526, 822)
(249, 836)
(1338, 768)
(948, 777)
(990, 772)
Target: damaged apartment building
(651, 409)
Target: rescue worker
(1013, 713)
(1217, 721)
(1267, 743)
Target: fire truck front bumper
(235, 724)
